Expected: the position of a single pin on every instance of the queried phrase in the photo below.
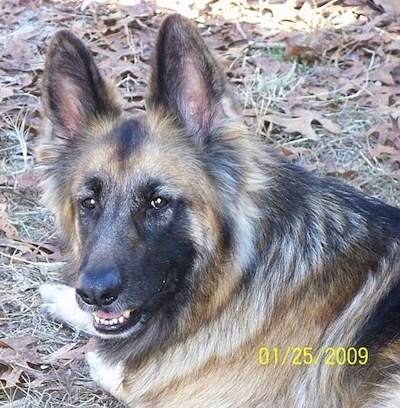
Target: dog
(210, 271)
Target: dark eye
(158, 202)
(89, 203)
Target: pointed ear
(186, 81)
(73, 91)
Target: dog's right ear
(73, 91)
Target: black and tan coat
(194, 251)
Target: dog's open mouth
(115, 322)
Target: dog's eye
(89, 203)
(158, 202)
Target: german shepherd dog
(212, 272)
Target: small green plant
(277, 53)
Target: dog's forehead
(127, 138)
(134, 152)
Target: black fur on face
(136, 253)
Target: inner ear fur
(186, 80)
(73, 90)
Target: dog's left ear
(186, 81)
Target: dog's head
(149, 205)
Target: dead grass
(22, 270)
(349, 151)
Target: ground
(317, 80)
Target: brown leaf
(5, 225)
(299, 52)
(4, 345)
(302, 123)
(3, 369)
(11, 376)
(14, 358)
(332, 169)
(5, 93)
(16, 343)
(383, 75)
(385, 135)
(30, 251)
(343, 173)
(390, 6)
(387, 74)
(314, 116)
(71, 352)
(27, 179)
(389, 152)
(293, 125)
(293, 152)
(395, 120)
(269, 65)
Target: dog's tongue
(107, 315)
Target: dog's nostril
(108, 298)
(84, 296)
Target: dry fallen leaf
(293, 125)
(5, 225)
(395, 120)
(292, 152)
(71, 352)
(300, 53)
(23, 363)
(389, 6)
(389, 152)
(302, 123)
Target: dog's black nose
(99, 286)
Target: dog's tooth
(116, 320)
(126, 314)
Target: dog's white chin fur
(59, 304)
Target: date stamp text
(297, 356)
